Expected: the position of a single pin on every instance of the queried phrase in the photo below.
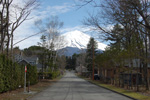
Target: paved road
(70, 87)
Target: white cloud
(80, 28)
(54, 10)
(27, 42)
(24, 31)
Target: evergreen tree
(91, 52)
(71, 61)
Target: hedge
(49, 75)
(32, 75)
(12, 74)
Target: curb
(113, 90)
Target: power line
(29, 37)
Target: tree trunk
(122, 80)
(8, 41)
(145, 67)
(137, 82)
(12, 38)
(146, 76)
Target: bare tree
(80, 62)
(61, 63)
(19, 15)
(54, 40)
(4, 23)
(12, 16)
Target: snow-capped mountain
(77, 41)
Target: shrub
(55, 74)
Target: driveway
(71, 87)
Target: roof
(32, 58)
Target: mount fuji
(76, 41)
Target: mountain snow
(78, 39)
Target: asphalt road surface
(70, 87)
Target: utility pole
(93, 60)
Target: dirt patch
(19, 94)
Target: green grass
(120, 90)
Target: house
(32, 60)
(81, 69)
(133, 77)
(23, 62)
(130, 72)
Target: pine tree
(91, 52)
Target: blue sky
(66, 10)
